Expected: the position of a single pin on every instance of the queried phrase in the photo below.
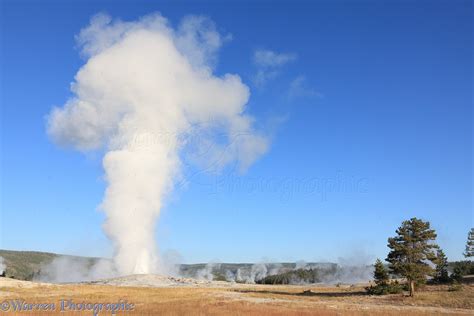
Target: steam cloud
(3, 267)
(345, 271)
(145, 80)
(75, 269)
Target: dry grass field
(244, 300)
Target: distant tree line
(294, 276)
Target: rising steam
(3, 267)
(145, 80)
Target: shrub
(384, 289)
(455, 287)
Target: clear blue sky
(375, 103)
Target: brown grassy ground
(248, 300)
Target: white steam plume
(3, 267)
(75, 269)
(146, 80)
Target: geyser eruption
(144, 90)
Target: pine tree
(470, 244)
(441, 269)
(411, 250)
(382, 284)
(380, 273)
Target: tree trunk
(412, 288)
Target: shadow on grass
(307, 293)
